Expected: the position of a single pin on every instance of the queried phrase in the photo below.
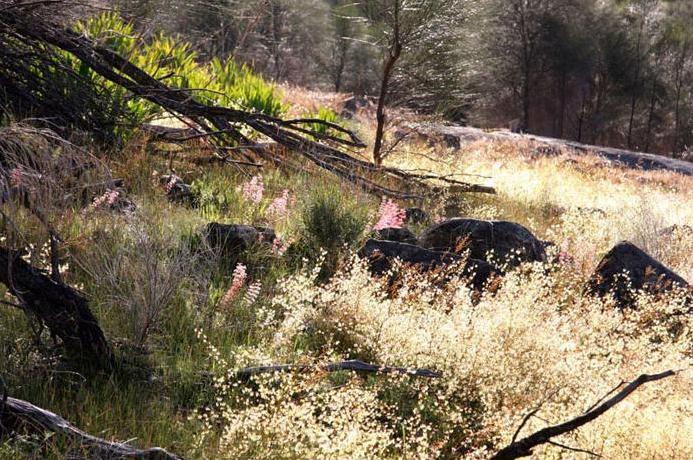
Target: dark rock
(177, 190)
(642, 271)
(236, 238)
(509, 241)
(416, 215)
(452, 141)
(401, 235)
(355, 103)
(380, 255)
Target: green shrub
(330, 220)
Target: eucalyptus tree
(421, 33)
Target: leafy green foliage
(175, 63)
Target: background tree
(406, 28)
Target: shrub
(330, 220)
(142, 273)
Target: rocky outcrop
(509, 241)
(458, 136)
(230, 239)
(401, 235)
(381, 255)
(626, 268)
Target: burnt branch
(353, 365)
(523, 447)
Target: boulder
(509, 241)
(401, 235)
(381, 254)
(236, 238)
(642, 271)
(353, 104)
(177, 190)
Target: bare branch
(349, 365)
(17, 415)
(523, 447)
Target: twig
(612, 391)
(574, 449)
(531, 414)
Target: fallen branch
(17, 416)
(523, 447)
(349, 365)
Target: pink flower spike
(237, 281)
(108, 198)
(16, 177)
(253, 190)
(278, 246)
(252, 293)
(390, 216)
(280, 206)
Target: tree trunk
(59, 307)
(382, 100)
(650, 116)
(679, 85)
(636, 85)
(561, 114)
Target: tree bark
(65, 312)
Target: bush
(330, 220)
(143, 273)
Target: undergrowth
(183, 319)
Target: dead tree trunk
(65, 312)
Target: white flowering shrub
(535, 340)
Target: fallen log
(523, 447)
(353, 365)
(18, 416)
(64, 311)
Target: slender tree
(403, 28)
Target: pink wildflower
(237, 281)
(564, 256)
(254, 189)
(16, 177)
(280, 206)
(278, 246)
(252, 293)
(171, 183)
(391, 216)
(108, 198)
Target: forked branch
(523, 447)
